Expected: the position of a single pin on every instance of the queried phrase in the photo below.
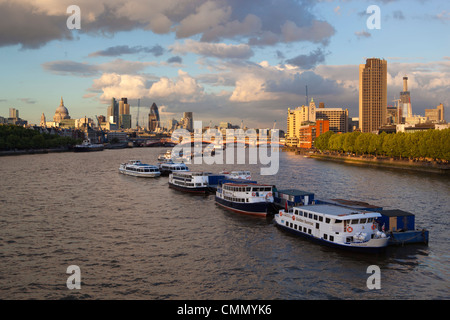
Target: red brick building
(309, 133)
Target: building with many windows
(435, 115)
(372, 94)
(337, 117)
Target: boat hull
(372, 246)
(251, 208)
(88, 149)
(196, 190)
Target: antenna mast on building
(306, 95)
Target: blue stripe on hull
(258, 208)
(332, 244)
(202, 190)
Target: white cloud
(113, 85)
(184, 88)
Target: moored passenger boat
(244, 197)
(138, 169)
(335, 226)
(87, 146)
(168, 167)
(165, 156)
(193, 182)
(242, 174)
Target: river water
(135, 238)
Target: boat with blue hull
(335, 226)
(245, 198)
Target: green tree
(322, 141)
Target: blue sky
(225, 60)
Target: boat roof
(295, 192)
(192, 173)
(248, 183)
(173, 164)
(354, 204)
(142, 165)
(338, 212)
(396, 213)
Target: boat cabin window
(338, 221)
(354, 221)
(363, 220)
(327, 220)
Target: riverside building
(372, 94)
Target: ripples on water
(137, 239)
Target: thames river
(135, 238)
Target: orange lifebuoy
(374, 227)
(293, 217)
(281, 214)
(269, 194)
(349, 229)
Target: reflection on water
(137, 239)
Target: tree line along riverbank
(429, 145)
(14, 138)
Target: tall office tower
(405, 99)
(153, 118)
(113, 111)
(372, 94)
(124, 114)
(154, 110)
(188, 121)
(13, 113)
(124, 107)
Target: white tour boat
(335, 226)
(138, 169)
(87, 146)
(245, 175)
(165, 156)
(244, 197)
(168, 167)
(194, 182)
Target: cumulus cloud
(113, 85)
(22, 24)
(184, 88)
(32, 23)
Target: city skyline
(221, 60)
